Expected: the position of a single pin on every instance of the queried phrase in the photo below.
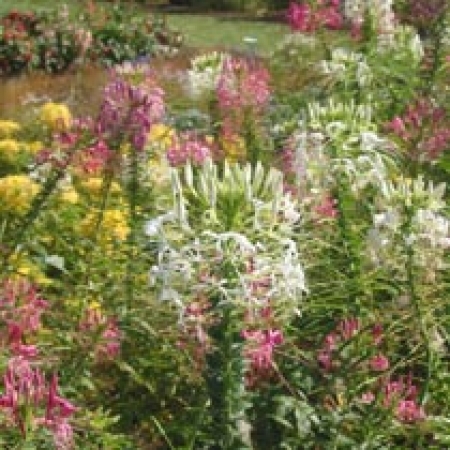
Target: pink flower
(397, 126)
(356, 30)
(327, 208)
(330, 341)
(325, 359)
(242, 85)
(349, 327)
(299, 17)
(377, 333)
(424, 128)
(57, 407)
(260, 347)
(103, 332)
(409, 411)
(21, 308)
(368, 398)
(379, 363)
(332, 18)
(189, 147)
(94, 158)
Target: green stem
(415, 300)
(132, 205)
(224, 376)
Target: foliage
(50, 40)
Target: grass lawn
(210, 31)
(200, 31)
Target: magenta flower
(260, 347)
(57, 407)
(93, 159)
(379, 363)
(129, 110)
(299, 17)
(424, 129)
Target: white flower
(205, 73)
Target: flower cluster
(204, 73)
(56, 117)
(424, 130)
(259, 348)
(28, 401)
(102, 331)
(307, 19)
(398, 395)
(243, 84)
(21, 308)
(189, 147)
(17, 193)
(8, 128)
(111, 222)
(129, 110)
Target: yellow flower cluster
(8, 128)
(94, 186)
(17, 193)
(34, 147)
(9, 150)
(56, 116)
(114, 226)
(25, 268)
(69, 195)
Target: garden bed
(229, 249)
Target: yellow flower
(56, 116)
(9, 150)
(33, 273)
(114, 226)
(161, 136)
(95, 305)
(8, 128)
(17, 193)
(94, 186)
(25, 268)
(69, 195)
(34, 147)
(234, 148)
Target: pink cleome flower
(21, 308)
(259, 349)
(27, 395)
(189, 147)
(379, 363)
